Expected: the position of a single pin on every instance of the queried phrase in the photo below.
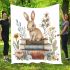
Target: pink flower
(19, 54)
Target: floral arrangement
(50, 33)
(17, 36)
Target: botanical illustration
(33, 41)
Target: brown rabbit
(35, 33)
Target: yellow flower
(16, 35)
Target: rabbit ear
(33, 15)
(26, 16)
